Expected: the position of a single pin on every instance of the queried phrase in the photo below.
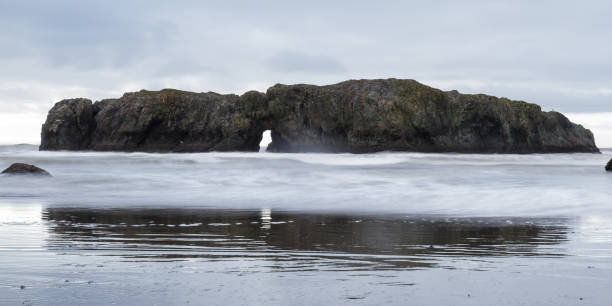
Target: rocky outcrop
(609, 166)
(21, 169)
(353, 116)
(157, 121)
(404, 115)
(69, 125)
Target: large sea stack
(355, 116)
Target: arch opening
(266, 139)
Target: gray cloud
(553, 53)
(297, 62)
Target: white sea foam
(462, 184)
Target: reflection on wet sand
(298, 242)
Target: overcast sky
(554, 53)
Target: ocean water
(416, 183)
(278, 229)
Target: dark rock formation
(172, 120)
(69, 125)
(19, 168)
(404, 115)
(353, 116)
(609, 166)
(157, 121)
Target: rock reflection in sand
(288, 241)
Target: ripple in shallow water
(58, 256)
(294, 241)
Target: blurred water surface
(417, 183)
(299, 229)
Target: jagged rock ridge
(355, 116)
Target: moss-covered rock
(404, 115)
(69, 125)
(166, 121)
(353, 116)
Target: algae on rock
(354, 116)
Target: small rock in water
(22, 287)
(20, 168)
(609, 166)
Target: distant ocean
(450, 184)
